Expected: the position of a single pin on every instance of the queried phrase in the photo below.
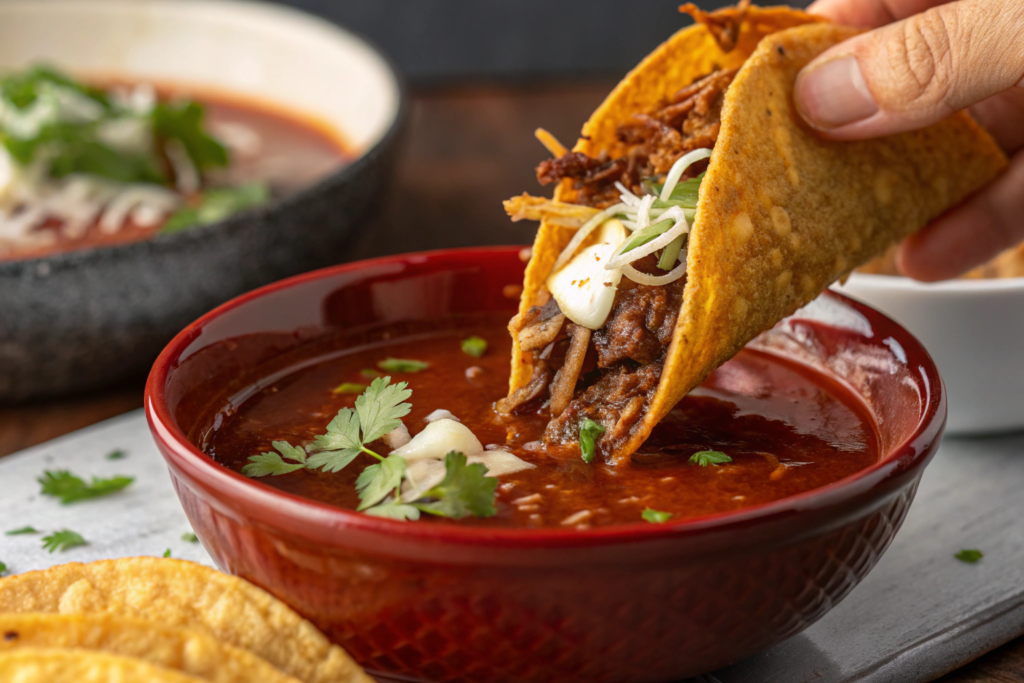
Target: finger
(915, 72)
(972, 233)
(870, 13)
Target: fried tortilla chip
(34, 665)
(781, 212)
(178, 649)
(187, 595)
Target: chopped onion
(654, 280)
(397, 437)
(678, 168)
(440, 414)
(437, 439)
(582, 234)
(681, 227)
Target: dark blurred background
(435, 41)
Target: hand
(927, 60)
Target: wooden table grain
(465, 151)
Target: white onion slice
(643, 212)
(654, 280)
(627, 196)
(676, 172)
(618, 260)
(583, 233)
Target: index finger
(870, 13)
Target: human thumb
(914, 72)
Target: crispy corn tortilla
(186, 595)
(781, 212)
(35, 665)
(178, 649)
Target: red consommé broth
(787, 428)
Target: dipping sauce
(787, 429)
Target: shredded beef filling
(615, 381)
(689, 120)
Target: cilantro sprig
(70, 488)
(3, 568)
(274, 464)
(464, 491)
(65, 124)
(22, 531)
(63, 540)
(705, 458)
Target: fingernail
(834, 94)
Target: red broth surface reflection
(787, 429)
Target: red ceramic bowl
(438, 602)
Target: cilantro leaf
(334, 450)
(183, 121)
(69, 488)
(474, 346)
(190, 537)
(705, 458)
(969, 556)
(22, 531)
(380, 408)
(402, 365)
(589, 431)
(271, 463)
(167, 553)
(63, 540)
(215, 205)
(3, 567)
(398, 511)
(655, 516)
(370, 373)
(75, 149)
(465, 490)
(377, 481)
(349, 388)
(117, 455)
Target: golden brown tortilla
(178, 649)
(782, 213)
(32, 665)
(186, 595)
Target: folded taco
(697, 210)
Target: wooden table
(465, 151)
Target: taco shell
(186, 595)
(189, 652)
(781, 213)
(34, 665)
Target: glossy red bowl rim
(322, 522)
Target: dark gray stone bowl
(77, 321)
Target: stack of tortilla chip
(150, 619)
